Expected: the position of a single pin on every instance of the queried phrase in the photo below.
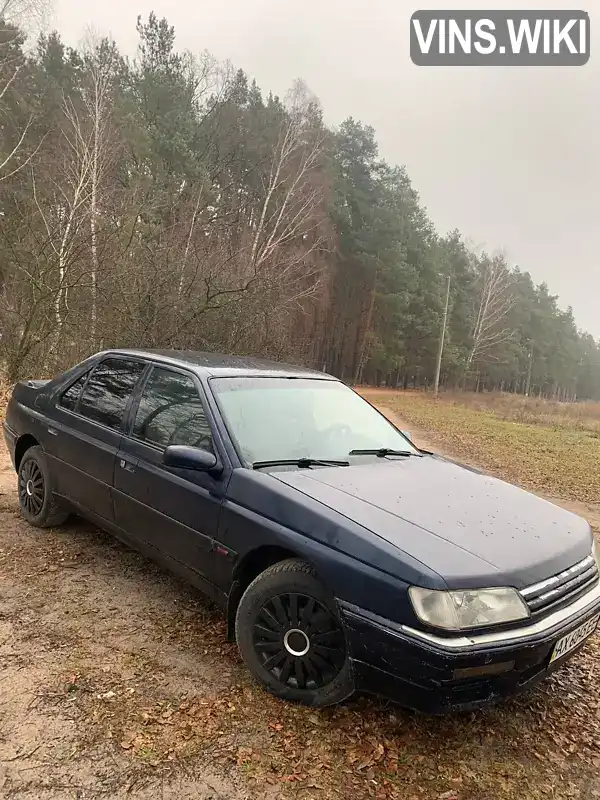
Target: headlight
(457, 610)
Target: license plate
(571, 640)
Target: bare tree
(494, 301)
(101, 60)
(15, 17)
(31, 14)
(290, 199)
(245, 251)
(212, 84)
(67, 175)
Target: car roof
(219, 365)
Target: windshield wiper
(382, 452)
(303, 463)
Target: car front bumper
(438, 674)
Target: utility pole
(529, 370)
(438, 369)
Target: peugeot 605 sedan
(344, 557)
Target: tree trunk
(361, 353)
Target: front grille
(562, 588)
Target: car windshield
(302, 418)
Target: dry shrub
(5, 392)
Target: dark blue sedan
(344, 557)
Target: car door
(174, 511)
(85, 433)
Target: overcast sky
(510, 156)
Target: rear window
(108, 391)
(70, 398)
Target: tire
(36, 499)
(291, 638)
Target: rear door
(174, 511)
(86, 431)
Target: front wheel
(36, 500)
(291, 638)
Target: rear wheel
(36, 500)
(291, 638)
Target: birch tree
(495, 298)
(291, 197)
(101, 61)
(66, 176)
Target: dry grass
(552, 448)
(531, 410)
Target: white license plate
(571, 640)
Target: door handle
(127, 465)
(53, 431)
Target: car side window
(70, 398)
(108, 390)
(171, 412)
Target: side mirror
(182, 457)
(407, 434)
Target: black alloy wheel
(31, 487)
(299, 641)
(291, 637)
(35, 489)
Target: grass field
(552, 448)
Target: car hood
(472, 529)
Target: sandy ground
(77, 648)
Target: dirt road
(86, 644)
(117, 681)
